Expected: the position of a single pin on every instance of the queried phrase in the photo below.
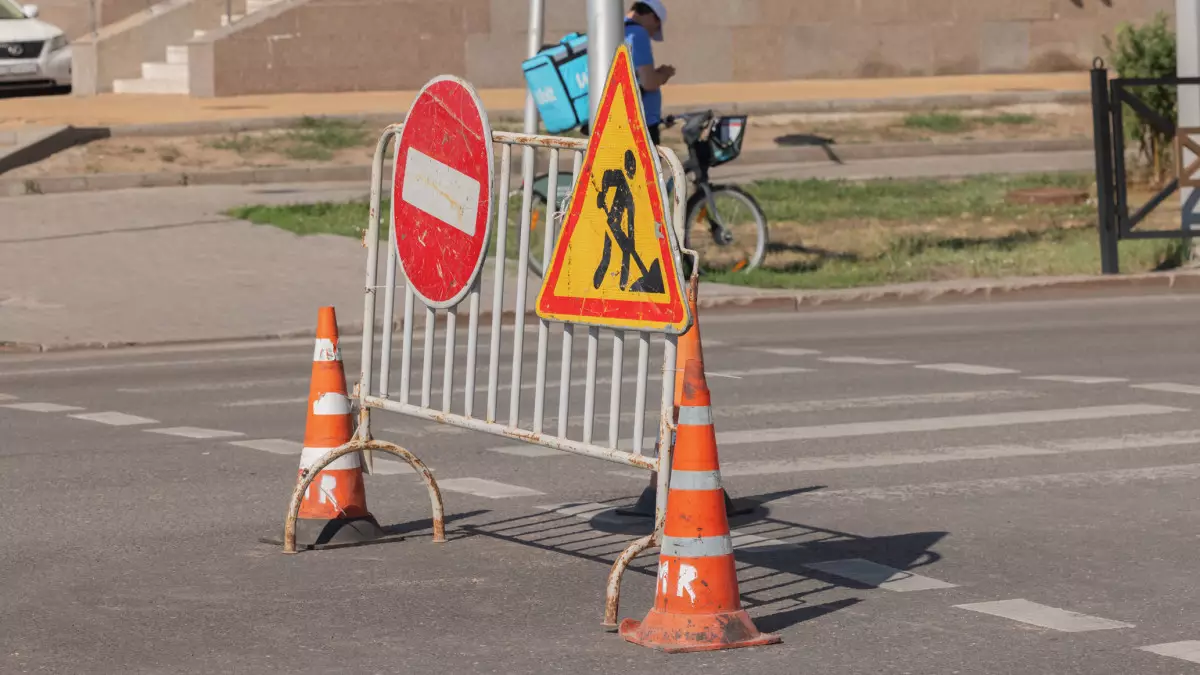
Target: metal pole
(606, 32)
(1187, 64)
(1102, 137)
(537, 26)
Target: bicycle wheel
(729, 232)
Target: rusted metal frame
(358, 445)
(568, 336)
(500, 258)
(528, 158)
(539, 403)
(475, 424)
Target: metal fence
(480, 404)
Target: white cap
(661, 12)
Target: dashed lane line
(1043, 616)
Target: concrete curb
(876, 297)
(903, 104)
(15, 187)
(33, 145)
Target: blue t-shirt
(643, 55)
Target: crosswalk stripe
(1169, 387)
(783, 351)
(966, 369)
(879, 576)
(955, 454)
(217, 386)
(864, 361)
(1043, 616)
(115, 419)
(939, 424)
(195, 432)
(7, 397)
(898, 400)
(481, 487)
(1187, 650)
(37, 406)
(898, 493)
(1076, 379)
(277, 446)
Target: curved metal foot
(357, 445)
(612, 598)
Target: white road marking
(391, 467)
(1076, 379)
(7, 397)
(529, 450)
(955, 454)
(195, 432)
(865, 361)
(1188, 650)
(1046, 617)
(879, 576)
(217, 386)
(715, 343)
(896, 493)
(276, 446)
(755, 372)
(783, 351)
(115, 419)
(939, 424)
(481, 487)
(967, 369)
(440, 190)
(428, 430)
(125, 365)
(1169, 387)
(871, 402)
(41, 407)
(294, 400)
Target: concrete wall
(74, 16)
(119, 50)
(344, 45)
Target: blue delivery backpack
(558, 79)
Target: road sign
(616, 263)
(442, 191)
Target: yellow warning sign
(616, 262)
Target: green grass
(311, 139)
(839, 234)
(953, 123)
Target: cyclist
(644, 23)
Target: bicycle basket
(725, 139)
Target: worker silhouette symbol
(617, 209)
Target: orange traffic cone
(697, 606)
(688, 348)
(334, 508)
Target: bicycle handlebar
(670, 120)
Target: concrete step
(253, 6)
(172, 86)
(198, 33)
(165, 71)
(227, 20)
(177, 54)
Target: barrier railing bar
(407, 342)
(389, 312)
(448, 365)
(639, 402)
(475, 424)
(427, 356)
(372, 244)
(539, 399)
(614, 399)
(527, 164)
(498, 292)
(568, 336)
(589, 392)
(472, 348)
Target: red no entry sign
(442, 191)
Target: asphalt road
(1021, 478)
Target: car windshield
(10, 10)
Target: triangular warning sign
(616, 261)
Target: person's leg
(654, 133)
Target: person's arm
(652, 79)
(649, 77)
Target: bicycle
(737, 225)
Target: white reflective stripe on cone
(309, 457)
(695, 415)
(697, 547)
(331, 403)
(695, 480)
(326, 350)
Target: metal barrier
(372, 394)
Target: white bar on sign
(441, 191)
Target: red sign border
(668, 315)
(491, 182)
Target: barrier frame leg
(360, 445)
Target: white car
(32, 52)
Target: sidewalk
(132, 110)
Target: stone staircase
(171, 76)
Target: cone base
(677, 633)
(318, 534)
(646, 502)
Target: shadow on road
(772, 554)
